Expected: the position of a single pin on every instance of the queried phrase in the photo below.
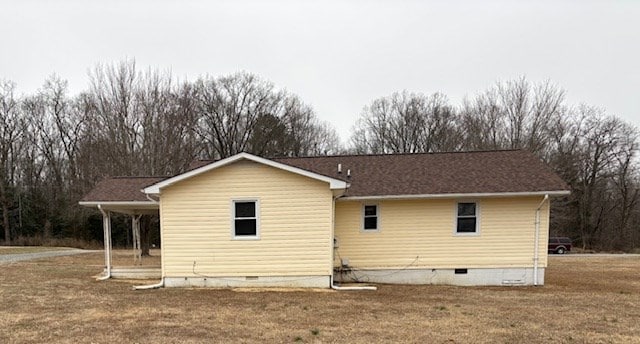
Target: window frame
(456, 217)
(363, 217)
(256, 201)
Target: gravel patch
(12, 258)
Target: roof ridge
(399, 154)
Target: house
(466, 218)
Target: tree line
(55, 146)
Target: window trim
(256, 200)
(455, 218)
(362, 217)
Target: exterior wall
(295, 216)
(420, 234)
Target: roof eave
(553, 193)
(118, 203)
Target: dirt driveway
(17, 257)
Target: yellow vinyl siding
(421, 234)
(295, 214)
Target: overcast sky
(339, 56)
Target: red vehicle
(559, 245)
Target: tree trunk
(5, 214)
(145, 231)
(5, 223)
(47, 230)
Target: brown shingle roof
(120, 189)
(436, 173)
(394, 174)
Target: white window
(467, 218)
(245, 219)
(370, 218)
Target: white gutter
(106, 226)
(536, 245)
(457, 195)
(116, 203)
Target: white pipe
(106, 225)
(150, 286)
(364, 287)
(536, 245)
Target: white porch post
(135, 229)
(106, 226)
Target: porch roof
(123, 195)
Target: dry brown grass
(125, 258)
(585, 299)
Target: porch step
(136, 272)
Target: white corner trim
(456, 195)
(333, 183)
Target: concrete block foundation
(250, 281)
(462, 276)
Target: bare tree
(112, 92)
(242, 113)
(306, 135)
(10, 136)
(229, 109)
(406, 123)
(167, 142)
(513, 115)
(595, 154)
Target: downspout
(333, 237)
(536, 245)
(106, 226)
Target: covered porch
(123, 195)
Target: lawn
(585, 299)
